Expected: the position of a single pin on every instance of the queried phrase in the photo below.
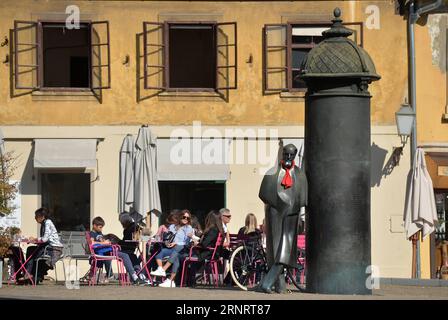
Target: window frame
(291, 46)
(41, 58)
(164, 64)
(166, 41)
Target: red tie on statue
(287, 179)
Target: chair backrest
(218, 243)
(301, 241)
(74, 243)
(234, 241)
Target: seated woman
(171, 219)
(182, 234)
(49, 239)
(196, 227)
(213, 227)
(250, 232)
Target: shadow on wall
(28, 180)
(378, 156)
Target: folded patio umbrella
(420, 209)
(126, 192)
(146, 188)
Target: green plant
(8, 189)
(6, 237)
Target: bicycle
(248, 265)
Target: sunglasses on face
(228, 216)
(186, 217)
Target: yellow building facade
(252, 89)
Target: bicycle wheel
(246, 268)
(295, 276)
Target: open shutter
(26, 50)
(100, 57)
(226, 56)
(275, 53)
(154, 51)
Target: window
(66, 56)
(49, 56)
(67, 196)
(200, 197)
(441, 197)
(182, 56)
(285, 46)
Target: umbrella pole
(414, 256)
(418, 257)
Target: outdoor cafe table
(22, 260)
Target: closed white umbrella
(146, 188)
(126, 192)
(420, 210)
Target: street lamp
(405, 118)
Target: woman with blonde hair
(250, 230)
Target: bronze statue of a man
(283, 192)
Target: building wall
(431, 65)
(391, 252)
(47, 116)
(246, 106)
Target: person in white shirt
(48, 239)
(225, 217)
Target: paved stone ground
(50, 290)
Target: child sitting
(102, 247)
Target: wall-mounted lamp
(4, 42)
(6, 59)
(405, 118)
(250, 59)
(126, 60)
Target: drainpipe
(413, 15)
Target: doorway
(67, 197)
(199, 197)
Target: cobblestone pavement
(111, 291)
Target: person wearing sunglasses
(225, 217)
(182, 236)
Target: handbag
(168, 238)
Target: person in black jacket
(213, 227)
(250, 232)
(129, 228)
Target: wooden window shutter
(26, 47)
(154, 55)
(226, 56)
(100, 58)
(275, 58)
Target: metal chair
(77, 247)
(113, 257)
(46, 256)
(212, 262)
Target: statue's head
(289, 154)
